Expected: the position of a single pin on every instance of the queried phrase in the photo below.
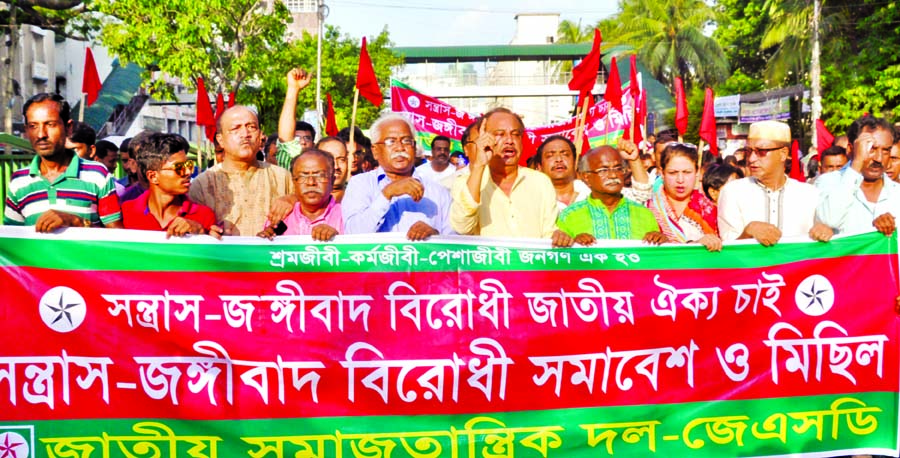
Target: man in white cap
(861, 197)
(768, 204)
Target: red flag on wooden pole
(220, 105)
(205, 115)
(681, 108)
(613, 93)
(90, 84)
(708, 123)
(366, 81)
(232, 96)
(331, 127)
(584, 75)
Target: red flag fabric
(640, 115)
(585, 141)
(331, 127)
(205, 115)
(231, 97)
(681, 108)
(220, 105)
(824, 139)
(366, 81)
(708, 123)
(633, 87)
(584, 75)
(90, 84)
(796, 166)
(613, 92)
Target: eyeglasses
(319, 177)
(606, 171)
(762, 152)
(391, 141)
(181, 167)
(305, 138)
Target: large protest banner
(123, 344)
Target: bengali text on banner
(121, 343)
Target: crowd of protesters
(290, 183)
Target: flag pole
(579, 125)
(81, 107)
(700, 155)
(353, 126)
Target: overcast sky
(453, 22)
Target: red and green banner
(432, 117)
(124, 344)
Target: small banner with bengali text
(123, 344)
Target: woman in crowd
(684, 214)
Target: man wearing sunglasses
(768, 205)
(165, 205)
(395, 197)
(861, 197)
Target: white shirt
(792, 208)
(426, 171)
(844, 206)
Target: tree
(64, 17)
(228, 42)
(571, 32)
(670, 40)
(340, 59)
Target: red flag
(824, 139)
(331, 127)
(633, 87)
(613, 92)
(231, 97)
(640, 114)
(708, 123)
(584, 75)
(366, 81)
(681, 108)
(220, 105)
(90, 84)
(796, 166)
(585, 141)
(205, 115)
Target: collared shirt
(628, 221)
(792, 209)
(426, 171)
(298, 224)
(136, 214)
(844, 206)
(86, 189)
(528, 211)
(241, 199)
(286, 152)
(366, 210)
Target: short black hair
(869, 122)
(156, 149)
(358, 137)
(833, 150)
(666, 136)
(104, 147)
(83, 133)
(303, 126)
(65, 112)
(440, 138)
(540, 150)
(475, 125)
(270, 140)
(717, 175)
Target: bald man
(243, 191)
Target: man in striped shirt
(58, 189)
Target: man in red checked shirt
(165, 205)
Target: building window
(301, 6)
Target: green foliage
(228, 42)
(739, 32)
(739, 83)
(340, 60)
(67, 18)
(669, 36)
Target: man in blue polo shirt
(58, 189)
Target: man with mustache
(498, 198)
(164, 206)
(59, 188)
(395, 197)
(859, 198)
(243, 192)
(438, 168)
(606, 214)
(768, 205)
